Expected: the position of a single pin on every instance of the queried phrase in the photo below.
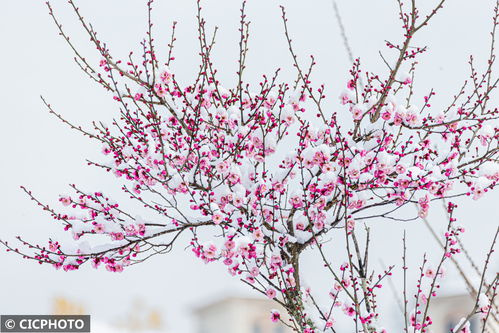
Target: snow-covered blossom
(254, 175)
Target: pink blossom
(349, 310)
(430, 273)
(210, 251)
(217, 218)
(66, 201)
(345, 97)
(258, 235)
(99, 228)
(296, 201)
(400, 169)
(386, 115)
(165, 76)
(357, 112)
(330, 323)
(350, 225)
(230, 244)
(271, 293)
(275, 315)
(160, 90)
(254, 271)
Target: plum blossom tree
(259, 174)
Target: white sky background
(43, 154)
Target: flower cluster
(259, 174)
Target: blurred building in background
(239, 315)
(447, 311)
(234, 314)
(63, 306)
(139, 319)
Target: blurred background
(178, 293)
